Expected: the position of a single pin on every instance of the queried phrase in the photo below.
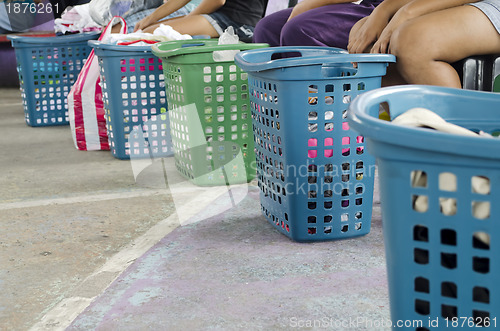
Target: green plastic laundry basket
(208, 103)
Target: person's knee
(407, 45)
(260, 32)
(290, 34)
(266, 31)
(294, 34)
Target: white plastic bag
(227, 38)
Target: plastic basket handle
(262, 59)
(119, 48)
(201, 47)
(52, 40)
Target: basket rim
(170, 49)
(261, 59)
(381, 131)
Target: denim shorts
(133, 19)
(221, 22)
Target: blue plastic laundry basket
(441, 264)
(135, 101)
(48, 67)
(316, 180)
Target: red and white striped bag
(85, 106)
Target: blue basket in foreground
(135, 101)
(315, 178)
(441, 261)
(48, 67)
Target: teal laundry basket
(48, 68)
(135, 101)
(315, 178)
(442, 263)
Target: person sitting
(210, 17)
(313, 23)
(427, 36)
(141, 15)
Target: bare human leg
(426, 46)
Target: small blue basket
(441, 263)
(316, 181)
(135, 101)
(48, 67)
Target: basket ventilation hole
(313, 89)
(481, 264)
(449, 289)
(420, 203)
(481, 240)
(448, 311)
(422, 307)
(422, 285)
(418, 178)
(447, 182)
(421, 256)
(480, 185)
(481, 318)
(481, 209)
(449, 260)
(313, 101)
(481, 294)
(448, 206)
(448, 237)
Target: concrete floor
(86, 245)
